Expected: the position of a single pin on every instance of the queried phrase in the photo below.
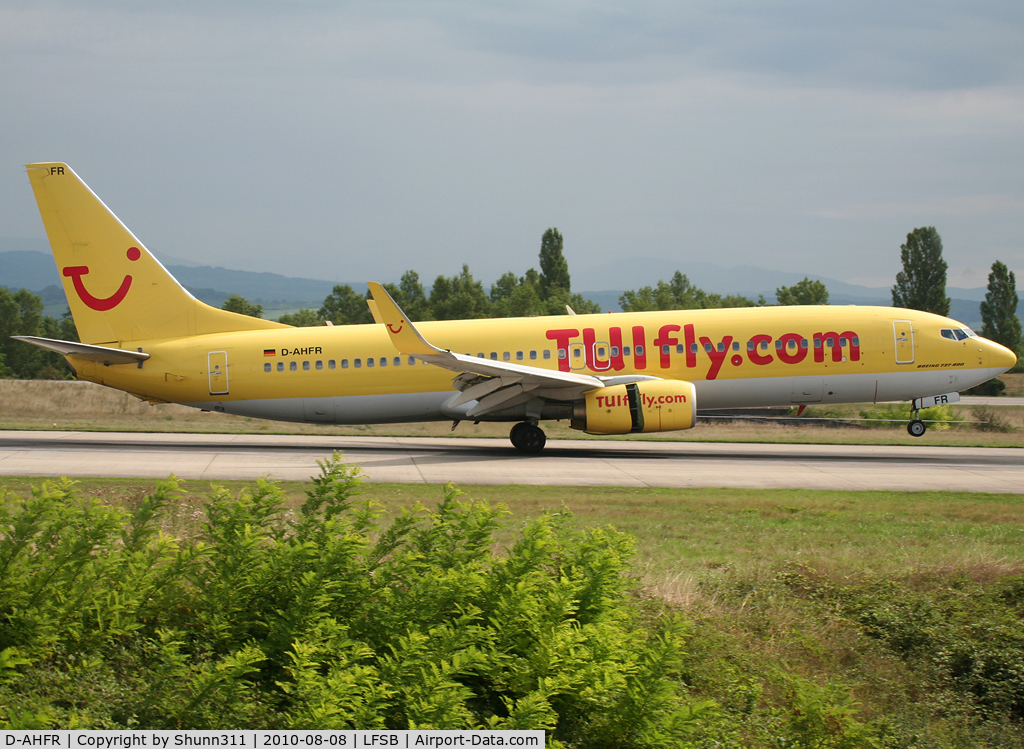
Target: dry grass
(83, 406)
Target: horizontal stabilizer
(101, 354)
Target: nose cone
(1000, 357)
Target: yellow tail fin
(116, 289)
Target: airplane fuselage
(745, 357)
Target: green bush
(888, 413)
(325, 618)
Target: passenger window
(665, 349)
(506, 356)
(267, 367)
(357, 363)
(803, 343)
(750, 345)
(778, 345)
(735, 345)
(305, 366)
(842, 341)
(398, 361)
(330, 363)
(319, 364)
(764, 345)
(369, 361)
(791, 344)
(547, 354)
(519, 355)
(344, 363)
(383, 361)
(293, 366)
(280, 366)
(708, 347)
(561, 353)
(639, 350)
(721, 345)
(615, 350)
(830, 342)
(494, 356)
(533, 355)
(601, 352)
(855, 340)
(412, 360)
(480, 355)
(817, 343)
(625, 350)
(680, 349)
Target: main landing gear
(528, 438)
(916, 427)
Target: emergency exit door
(218, 368)
(903, 332)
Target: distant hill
(35, 271)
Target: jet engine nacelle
(647, 406)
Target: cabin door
(903, 332)
(218, 369)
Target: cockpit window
(957, 334)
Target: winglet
(403, 333)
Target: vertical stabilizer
(118, 292)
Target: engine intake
(648, 406)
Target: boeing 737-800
(143, 333)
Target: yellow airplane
(143, 333)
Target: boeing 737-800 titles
(143, 333)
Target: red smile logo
(401, 325)
(76, 272)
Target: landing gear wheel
(916, 428)
(528, 438)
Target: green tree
(460, 297)
(304, 318)
(514, 296)
(21, 313)
(554, 269)
(242, 306)
(921, 284)
(802, 292)
(343, 306)
(999, 310)
(679, 293)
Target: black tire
(516, 431)
(916, 428)
(529, 439)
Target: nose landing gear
(528, 438)
(916, 427)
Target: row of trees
(921, 285)
(544, 292)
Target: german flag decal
(270, 352)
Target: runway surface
(479, 461)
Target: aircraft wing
(494, 385)
(101, 354)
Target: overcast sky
(354, 140)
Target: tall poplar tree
(922, 282)
(554, 269)
(999, 310)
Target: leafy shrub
(900, 412)
(990, 420)
(322, 618)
